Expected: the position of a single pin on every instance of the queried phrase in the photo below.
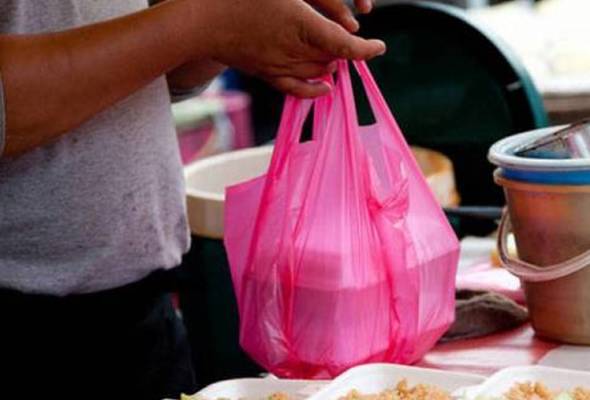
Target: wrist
(193, 74)
(186, 24)
(199, 34)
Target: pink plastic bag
(340, 254)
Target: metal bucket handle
(531, 272)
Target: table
(520, 346)
(490, 354)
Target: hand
(339, 11)
(285, 42)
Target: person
(92, 208)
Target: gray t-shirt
(104, 205)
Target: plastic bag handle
(293, 117)
(384, 117)
(295, 112)
(379, 105)
(531, 272)
(353, 141)
(377, 102)
(322, 108)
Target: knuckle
(288, 85)
(345, 50)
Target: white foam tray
(369, 378)
(259, 389)
(374, 378)
(554, 378)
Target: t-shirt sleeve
(2, 118)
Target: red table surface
(488, 355)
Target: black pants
(126, 343)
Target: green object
(192, 113)
(452, 87)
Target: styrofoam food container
(370, 378)
(554, 378)
(256, 389)
(374, 378)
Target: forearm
(193, 74)
(54, 82)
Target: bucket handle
(531, 272)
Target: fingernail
(383, 47)
(354, 24)
(328, 87)
(332, 67)
(367, 5)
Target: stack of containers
(549, 211)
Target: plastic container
(374, 378)
(536, 170)
(256, 389)
(548, 210)
(207, 299)
(554, 378)
(320, 300)
(371, 378)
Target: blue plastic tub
(547, 171)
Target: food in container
(274, 396)
(533, 383)
(539, 391)
(402, 391)
(375, 382)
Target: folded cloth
(481, 313)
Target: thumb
(335, 41)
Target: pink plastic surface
(192, 143)
(237, 107)
(340, 254)
(487, 277)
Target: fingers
(339, 12)
(300, 88)
(335, 41)
(309, 70)
(363, 6)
